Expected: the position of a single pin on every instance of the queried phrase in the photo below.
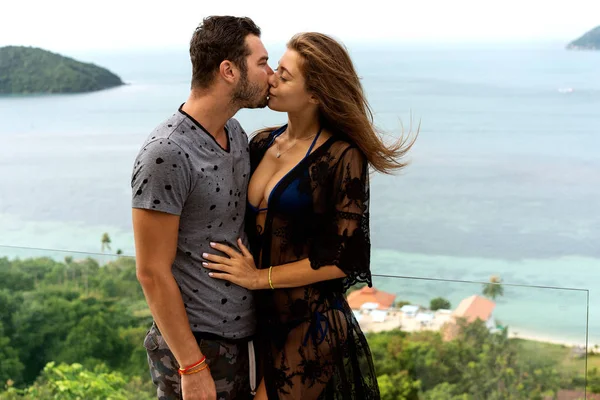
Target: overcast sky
(63, 25)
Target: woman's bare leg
(261, 392)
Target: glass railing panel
(78, 320)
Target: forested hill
(589, 41)
(29, 70)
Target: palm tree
(68, 262)
(494, 288)
(105, 241)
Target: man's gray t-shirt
(182, 170)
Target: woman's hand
(238, 268)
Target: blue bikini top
(291, 198)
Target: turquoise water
(505, 176)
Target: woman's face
(288, 87)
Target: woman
(308, 222)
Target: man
(189, 189)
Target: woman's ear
(313, 99)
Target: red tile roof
(371, 295)
(475, 307)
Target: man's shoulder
(234, 126)
(167, 128)
(166, 132)
(164, 143)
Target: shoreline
(396, 320)
(537, 337)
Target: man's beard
(247, 95)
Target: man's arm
(156, 245)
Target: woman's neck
(302, 125)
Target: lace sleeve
(343, 238)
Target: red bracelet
(193, 371)
(185, 369)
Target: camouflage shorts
(228, 362)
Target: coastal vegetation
(74, 329)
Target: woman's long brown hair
(331, 77)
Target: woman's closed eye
(279, 74)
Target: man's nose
(272, 80)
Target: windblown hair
(343, 108)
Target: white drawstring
(252, 367)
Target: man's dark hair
(216, 39)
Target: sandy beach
(435, 320)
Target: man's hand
(198, 386)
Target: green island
(589, 41)
(73, 328)
(30, 70)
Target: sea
(504, 178)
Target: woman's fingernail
(213, 244)
(205, 264)
(204, 255)
(210, 274)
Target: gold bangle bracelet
(270, 281)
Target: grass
(559, 355)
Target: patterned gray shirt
(182, 170)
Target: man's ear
(228, 71)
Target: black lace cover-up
(313, 347)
